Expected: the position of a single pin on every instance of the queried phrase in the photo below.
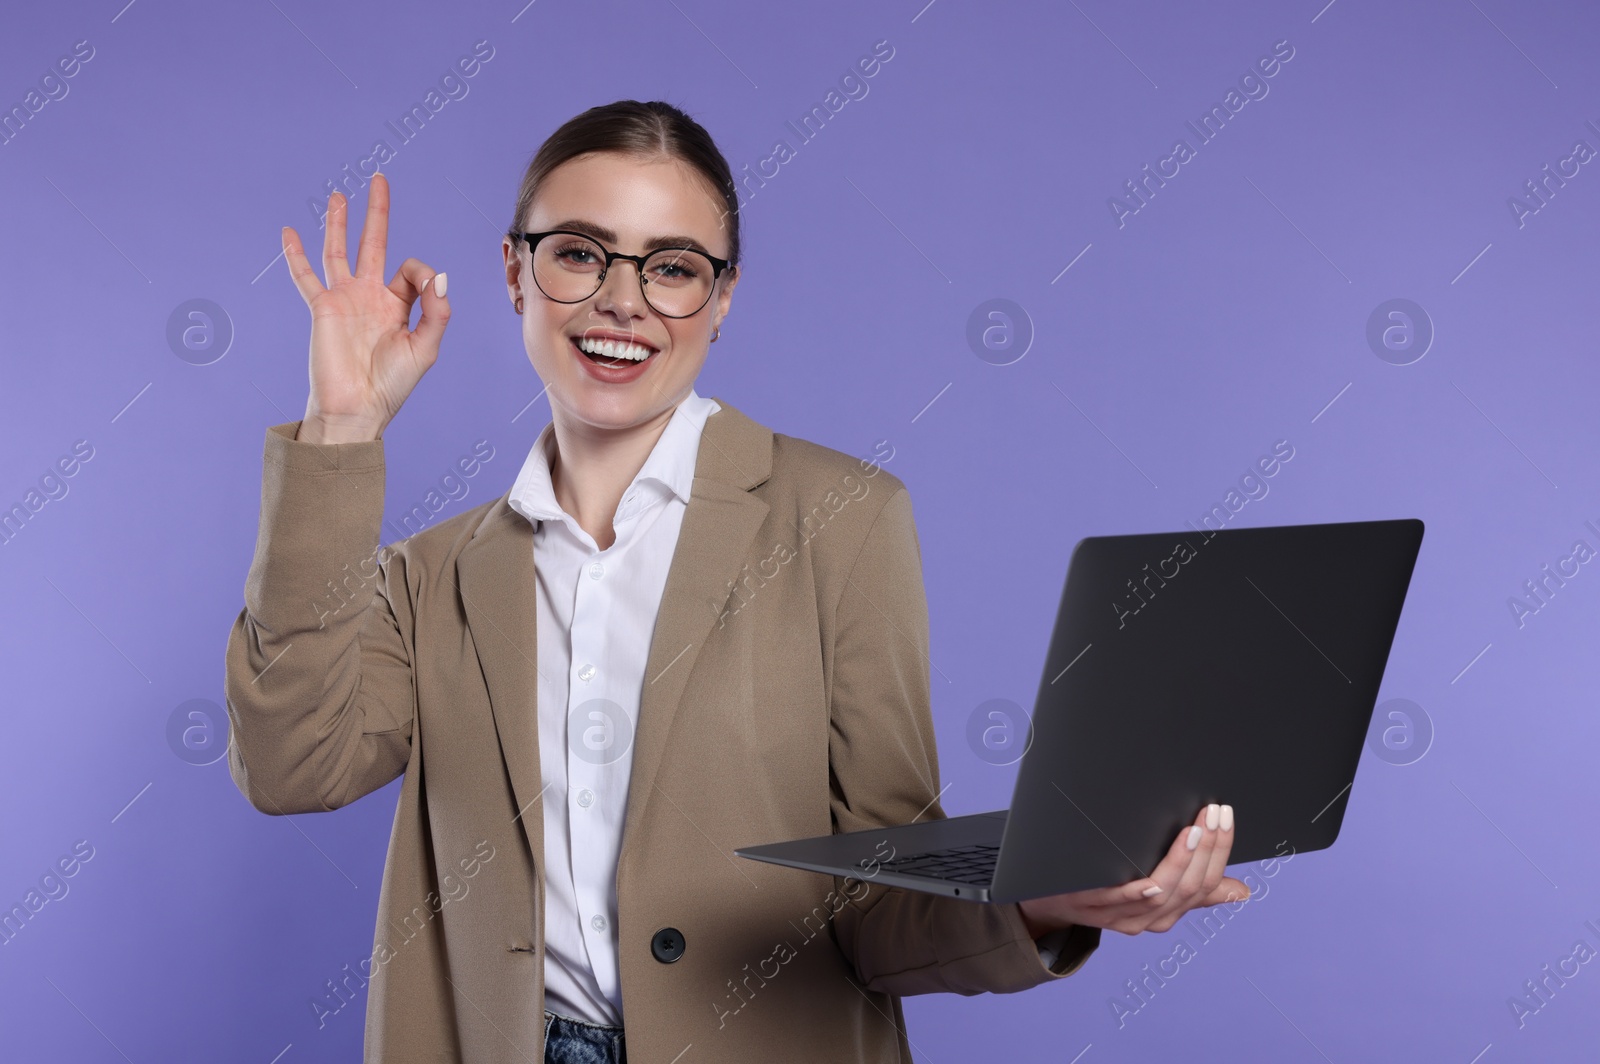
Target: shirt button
(586, 673)
(597, 570)
(586, 797)
(598, 923)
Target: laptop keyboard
(963, 864)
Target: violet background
(1228, 314)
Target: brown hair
(648, 130)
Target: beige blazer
(786, 695)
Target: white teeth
(614, 349)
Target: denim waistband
(572, 1041)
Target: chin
(617, 396)
(612, 406)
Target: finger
(1169, 872)
(1167, 875)
(408, 281)
(374, 230)
(1109, 898)
(1220, 850)
(1147, 892)
(335, 264)
(1190, 865)
(1193, 882)
(300, 271)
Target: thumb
(435, 313)
(1229, 890)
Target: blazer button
(667, 945)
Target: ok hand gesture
(365, 358)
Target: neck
(593, 467)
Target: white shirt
(596, 615)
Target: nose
(622, 288)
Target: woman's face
(635, 200)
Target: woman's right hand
(365, 358)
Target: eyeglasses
(570, 267)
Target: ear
(513, 264)
(729, 279)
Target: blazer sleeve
(318, 673)
(884, 771)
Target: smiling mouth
(612, 352)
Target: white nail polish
(441, 286)
(1227, 818)
(1151, 891)
(1194, 837)
(1212, 812)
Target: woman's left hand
(1187, 878)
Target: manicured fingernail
(1151, 891)
(1194, 837)
(441, 285)
(1227, 818)
(1212, 812)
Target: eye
(577, 254)
(677, 267)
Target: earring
(519, 304)
(715, 333)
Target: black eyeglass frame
(717, 267)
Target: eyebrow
(609, 236)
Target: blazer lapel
(719, 524)
(496, 582)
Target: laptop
(1237, 665)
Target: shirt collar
(670, 465)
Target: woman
(679, 632)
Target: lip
(623, 373)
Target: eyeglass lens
(567, 268)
